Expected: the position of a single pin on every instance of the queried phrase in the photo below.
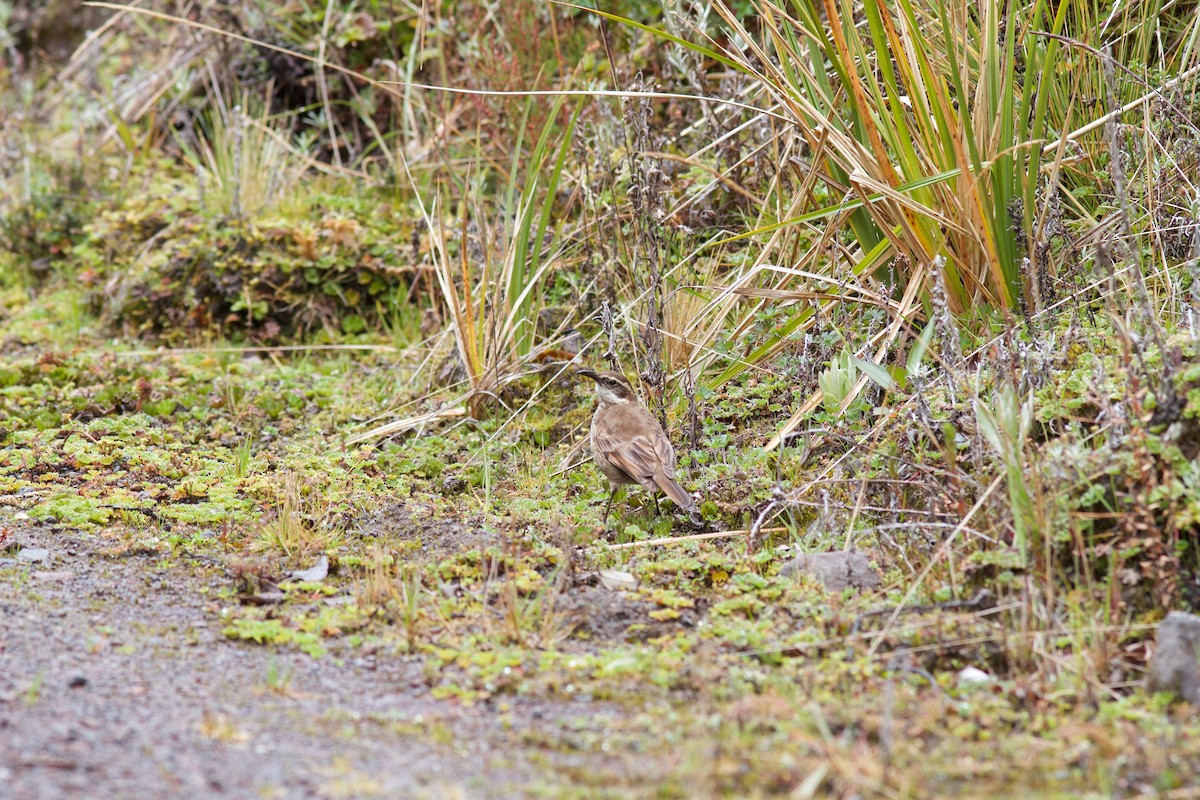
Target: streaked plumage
(628, 444)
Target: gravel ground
(116, 682)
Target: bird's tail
(676, 492)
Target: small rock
(453, 485)
(572, 341)
(1173, 667)
(836, 570)
(972, 678)
(77, 682)
(615, 580)
(314, 574)
(33, 555)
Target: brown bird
(629, 445)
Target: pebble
(1174, 667)
(453, 485)
(835, 570)
(616, 580)
(33, 555)
(970, 677)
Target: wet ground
(117, 682)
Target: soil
(116, 681)
(434, 538)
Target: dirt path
(116, 682)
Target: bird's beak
(587, 373)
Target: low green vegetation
(321, 332)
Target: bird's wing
(638, 456)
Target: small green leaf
(876, 372)
(917, 353)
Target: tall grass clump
(920, 130)
(244, 158)
(493, 296)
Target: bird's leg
(654, 497)
(612, 492)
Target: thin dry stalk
(290, 529)
(696, 537)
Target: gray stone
(615, 580)
(836, 570)
(33, 555)
(314, 574)
(1173, 667)
(453, 485)
(972, 678)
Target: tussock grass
(244, 159)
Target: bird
(628, 444)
